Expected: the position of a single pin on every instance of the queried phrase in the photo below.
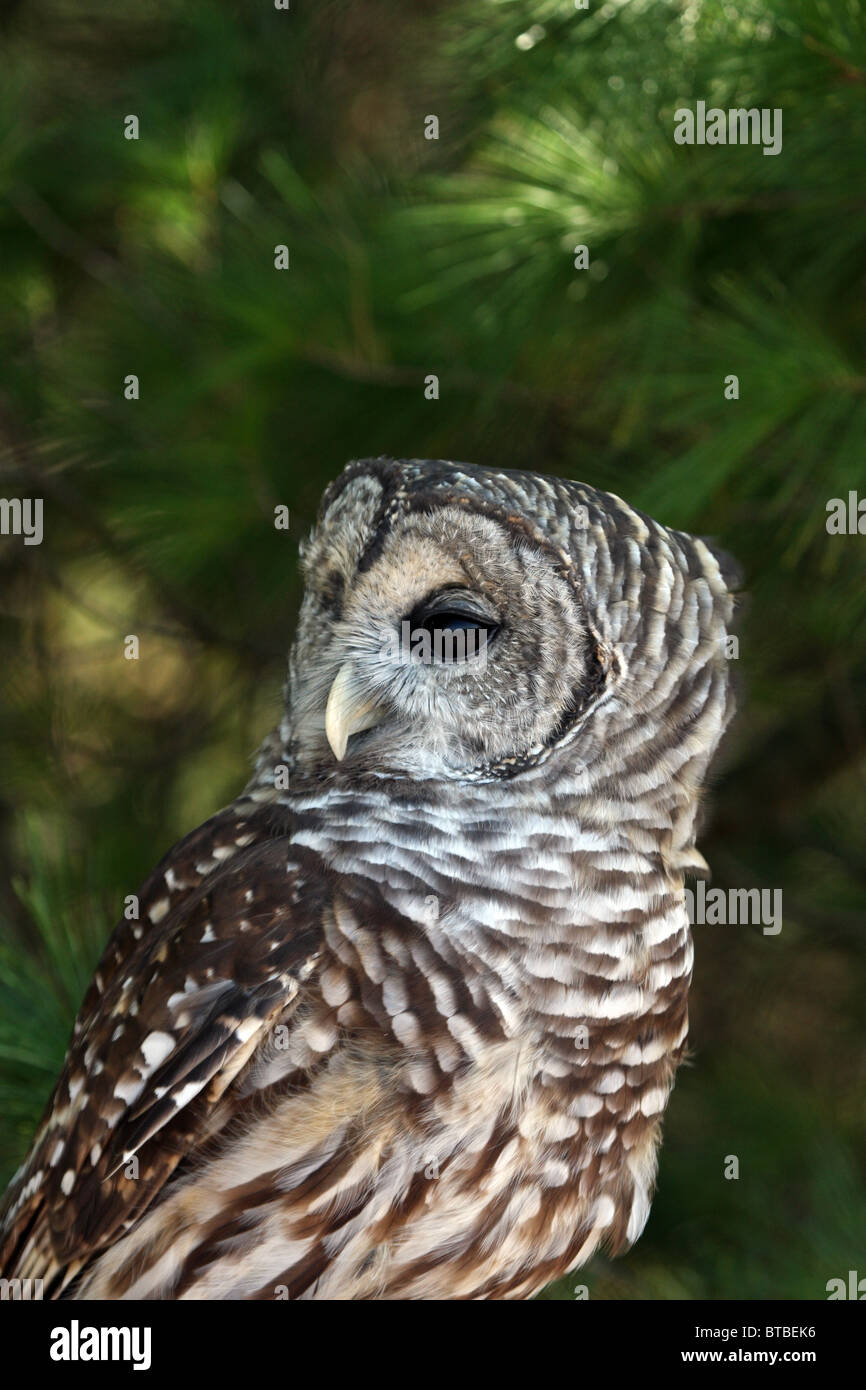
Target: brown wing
(229, 929)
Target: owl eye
(455, 631)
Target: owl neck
(562, 904)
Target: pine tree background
(452, 257)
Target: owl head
(470, 624)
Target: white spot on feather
(130, 1090)
(186, 1093)
(156, 1047)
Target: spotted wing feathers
(179, 1003)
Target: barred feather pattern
(395, 1033)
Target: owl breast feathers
(402, 1020)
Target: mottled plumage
(406, 1026)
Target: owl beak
(348, 712)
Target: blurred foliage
(455, 257)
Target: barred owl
(402, 1020)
